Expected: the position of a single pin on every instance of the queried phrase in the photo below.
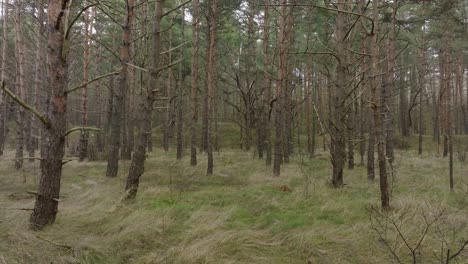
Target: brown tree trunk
(169, 122)
(266, 124)
(337, 113)
(422, 85)
(20, 92)
(281, 84)
(99, 140)
(180, 93)
(38, 81)
(388, 87)
(84, 135)
(46, 205)
(120, 93)
(377, 107)
(193, 93)
(3, 98)
(308, 103)
(137, 167)
(212, 27)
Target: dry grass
(239, 215)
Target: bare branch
(91, 81)
(44, 120)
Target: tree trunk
(137, 167)
(281, 85)
(389, 88)
(193, 94)
(169, 122)
(212, 27)
(46, 205)
(21, 115)
(377, 105)
(3, 98)
(266, 124)
(337, 113)
(120, 94)
(84, 135)
(180, 99)
(38, 81)
(99, 140)
(308, 103)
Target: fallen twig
(22, 209)
(54, 243)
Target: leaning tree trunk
(120, 94)
(47, 198)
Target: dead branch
(55, 243)
(91, 81)
(44, 120)
(81, 129)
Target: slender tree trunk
(110, 107)
(120, 93)
(180, 99)
(377, 109)
(308, 103)
(389, 88)
(20, 90)
(266, 124)
(212, 27)
(337, 113)
(422, 85)
(193, 94)
(281, 85)
(46, 205)
(84, 135)
(137, 167)
(3, 98)
(99, 140)
(169, 122)
(38, 83)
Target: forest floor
(241, 214)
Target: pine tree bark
(137, 166)
(337, 113)
(180, 94)
(38, 80)
(20, 90)
(84, 135)
(194, 84)
(3, 97)
(46, 205)
(388, 87)
(377, 105)
(120, 93)
(266, 123)
(212, 27)
(169, 122)
(281, 84)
